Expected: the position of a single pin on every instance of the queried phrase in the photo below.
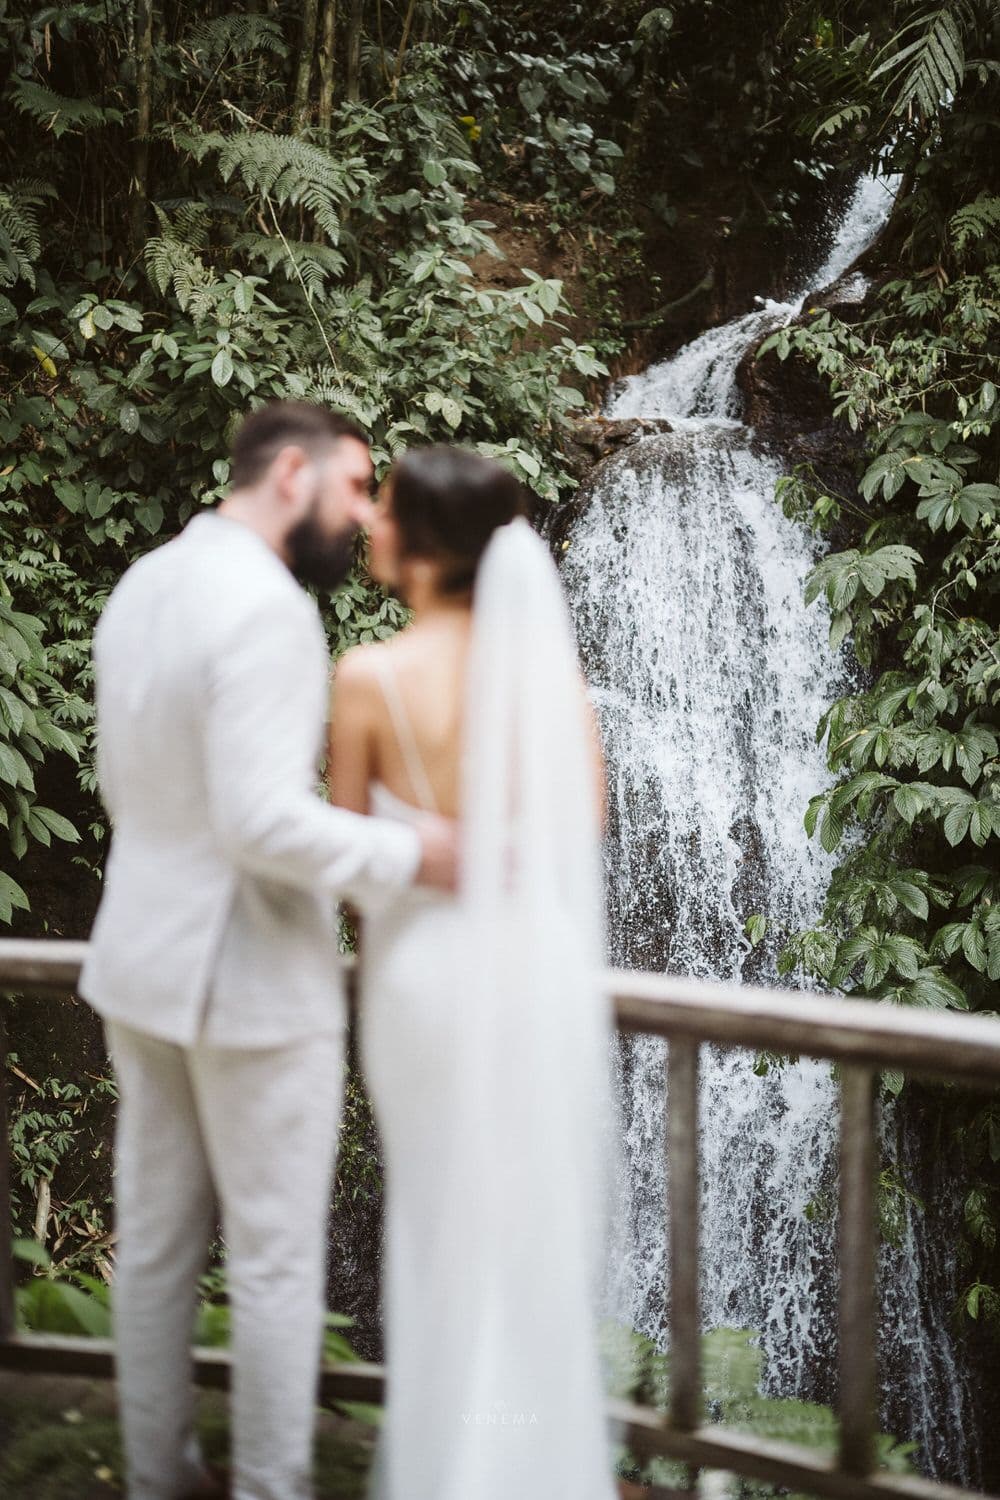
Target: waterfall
(709, 675)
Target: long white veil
(530, 1167)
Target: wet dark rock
(593, 438)
(845, 297)
(789, 404)
(791, 411)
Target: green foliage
(533, 92)
(217, 39)
(54, 112)
(27, 729)
(78, 1304)
(359, 1171)
(20, 238)
(916, 751)
(281, 171)
(912, 914)
(53, 1300)
(214, 1323)
(258, 243)
(976, 222)
(880, 64)
(60, 1166)
(53, 1303)
(732, 1369)
(924, 62)
(275, 264)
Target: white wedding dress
(484, 1040)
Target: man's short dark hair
(269, 429)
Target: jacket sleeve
(265, 708)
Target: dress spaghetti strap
(420, 783)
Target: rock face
(593, 438)
(790, 408)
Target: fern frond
(191, 138)
(172, 259)
(396, 443)
(238, 36)
(57, 113)
(20, 235)
(348, 393)
(172, 264)
(361, 333)
(200, 292)
(851, 114)
(33, 190)
(978, 220)
(314, 263)
(185, 220)
(932, 63)
(291, 171)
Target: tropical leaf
(311, 265)
(57, 113)
(843, 574)
(976, 221)
(286, 170)
(926, 71)
(238, 36)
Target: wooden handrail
(861, 1036)
(930, 1043)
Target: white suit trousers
(254, 1131)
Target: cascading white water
(698, 382)
(710, 674)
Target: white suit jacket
(217, 920)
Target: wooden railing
(861, 1037)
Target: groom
(214, 959)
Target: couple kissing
(463, 826)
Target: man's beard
(316, 557)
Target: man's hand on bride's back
(439, 852)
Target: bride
(484, 1034)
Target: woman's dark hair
(447, 503)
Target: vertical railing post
(6, 1218)
(857, 1311)
(682, 1176)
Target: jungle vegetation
(203, 207)
(912, 914)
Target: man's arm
(266, 694)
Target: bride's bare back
(423, 669)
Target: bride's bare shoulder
(355, 673)
(361, 664)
